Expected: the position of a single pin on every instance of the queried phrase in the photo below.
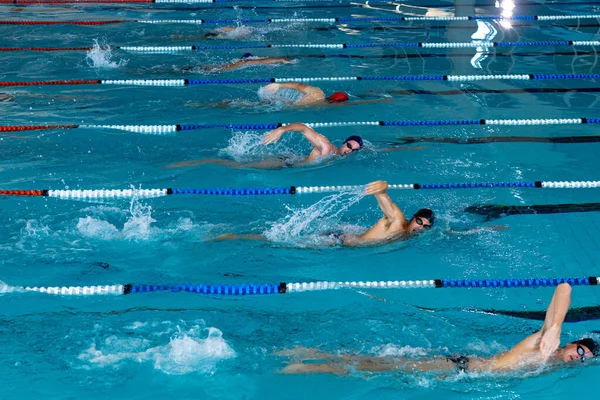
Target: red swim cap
(338, 97)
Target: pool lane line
(404, 140)
(307, 20)
(446, 55)
(420, 45)
(165, 129)
(494, 211)
(195, 82)
(292, 2)
(93, 194)
(295, 287)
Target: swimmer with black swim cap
(535, 351)
(391, 227)
(322, 149)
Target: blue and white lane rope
(305, 20)
(419, 45)
(283, 287)
(97, 194)
(198, 82)
(424, 45)
(369, 19)
(166, 129)
(162, 129)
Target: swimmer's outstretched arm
(261, 61)
(390, 210)
(319, 141)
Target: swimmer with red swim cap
(299, 94)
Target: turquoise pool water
(164, 344)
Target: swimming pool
(188, 345)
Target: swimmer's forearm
(559, 306)
(301, 87)
(316, 139)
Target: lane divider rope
(165, 129)
(351, 3)
(424, 45)
(196, 82)
(302, 20)
(292, 287)
(92, 194)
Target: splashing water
(193, 350)
(306, 224)
(248, 146)
(137, 227)
(99, 57)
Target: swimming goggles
(581, 353)
(351, 148)
(419, 221)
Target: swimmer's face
(419, 224)
(574, 352)
(349, 147)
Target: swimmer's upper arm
(389, 208)
(316, 139)
(301, 87)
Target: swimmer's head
(338, 97)
(247, 55)
(423, 219)
(579, 350)
(352, 144)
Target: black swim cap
(590, 344)
(357, 139)
(247, 55)
(425, 213)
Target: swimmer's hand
(273, 87)
(273, 136)
(377, 187)
(550, 341)
(285, 61)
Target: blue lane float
(283, 287)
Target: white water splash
(193, 350)
(248, 146)
(308, 224)
(99, 57)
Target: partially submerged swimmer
(299, 94)
(246, 60)
(538, 349)
(322, 149)
(229, 32)
(391, 227)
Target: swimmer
(322, 149)
(224, 32)
(301, 95)
(292, 94)
(538, 349)
(391, 227)
(229, 32)
(246, 60)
